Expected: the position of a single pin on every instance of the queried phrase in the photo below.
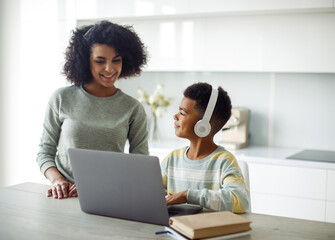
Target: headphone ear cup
(202, 128)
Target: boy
(204, 173)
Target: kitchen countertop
(252, 154)
(278, 156)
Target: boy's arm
(164, 172)
(232, 196)
(164, 178)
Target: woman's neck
(99, 91)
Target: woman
(92, 113)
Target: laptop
(121, 185)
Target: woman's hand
(62, 189)
(177, 198)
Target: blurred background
(275, 58)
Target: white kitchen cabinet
(247, 43)
(330, 211)
(288, 191)
(331, 186)
(330, 203)
(173, 44)
(252, 43)
(99, 9)
(288, 206)
(194, 39)
(271, 43)
(288, 181)
(287, 187)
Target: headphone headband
(211, 105)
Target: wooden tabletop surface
(26, 213)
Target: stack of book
(215, 225)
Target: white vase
(153, 129)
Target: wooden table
(25, 213)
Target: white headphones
(202, 128)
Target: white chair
(245, 172)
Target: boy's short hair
(201, 92)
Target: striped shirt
(214, 182)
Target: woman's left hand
(177, 198)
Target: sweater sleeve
(233, 194)
(49, 140)
(138, 132)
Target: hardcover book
(208, 225)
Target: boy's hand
(176, 198)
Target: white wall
(2, 75)
(44, 37)
(33, 46)
(10, 61)
(286, 109)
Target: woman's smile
(108, 77)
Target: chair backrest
(245, 172)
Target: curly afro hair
(123, 38)
(201, 92)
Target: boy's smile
(186, 118)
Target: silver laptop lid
(120, 185)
